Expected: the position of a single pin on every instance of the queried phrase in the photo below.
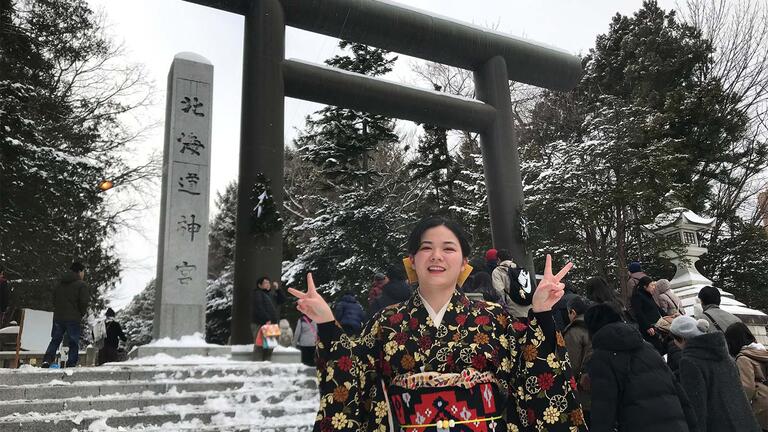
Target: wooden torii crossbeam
(268, 78)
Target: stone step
(286, 425)
(123, 403)
(81, 390)
(94, 389)
(30, 376)
(271, 419)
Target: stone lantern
(687, 227)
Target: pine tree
(339, 141)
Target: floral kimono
(476, 370)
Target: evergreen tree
(221, 237)
(635, 138)
(340, 142)
(60, 134)
(218, 308)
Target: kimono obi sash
(432, 401)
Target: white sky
(155, 30)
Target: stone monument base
(279, 354)
(179, 351)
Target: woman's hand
(550, 289)
(312, 304)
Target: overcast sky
(155, 30)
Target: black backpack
(520, 289)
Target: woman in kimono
(440, 362)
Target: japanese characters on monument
(183, 244)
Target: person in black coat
(263, 305)
(395, 291)
(349, 313)
(647, 312)
(632, 387)
(710, 378)
(109, 352)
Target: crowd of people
(641, 364)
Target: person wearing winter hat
(666, 299)
(491, 260)
(752, 363)
(710, 378)
(632, 388)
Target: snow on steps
(235, 397)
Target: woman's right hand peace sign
(312, 304)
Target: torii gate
(268, 78)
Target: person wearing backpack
(752, 363)
(110, 353)
(506, 282)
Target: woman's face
(438, 261)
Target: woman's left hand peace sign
(550, 289)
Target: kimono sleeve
(541, 384)
(348, 381)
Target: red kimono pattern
(530, 377)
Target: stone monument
(182, 259)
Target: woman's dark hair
(600, 315)
(709, 295)
(504, 255)
(262, 279)
(599, 291)
(643, 283)
(395, 272)
(737, 335)
(414, 240)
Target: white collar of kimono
(437, 317)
